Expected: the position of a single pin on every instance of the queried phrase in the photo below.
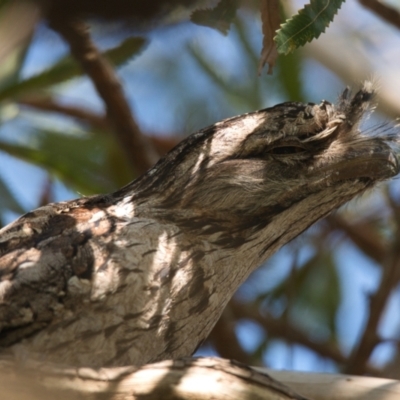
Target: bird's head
(290, 164)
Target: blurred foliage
(67, 69)
(89, 163)
(220, 17)
(307, 294)
(83, 161)
(312, 295)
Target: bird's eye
(287, 150)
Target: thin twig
(363, 236)
(390, 279)
(389, 14)
(48, 104)
(225, 341)
(46, 194)
(138, 149)
(281, 328)
(161, 144)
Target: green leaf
(7, 200)
(317, 295)
(306, 25)
(320, 293)
(67, 68)
(243, 95)
(219, 18)
(83, 162)
(289, 75)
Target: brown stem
(48, 104)
(363, 236)
(387, 13)
(370, 337)
(137, 148)
(161, 144)
(283, 329)
(46, 195)
(225, 341)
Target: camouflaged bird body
(143, 274)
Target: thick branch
(137, 148)
(338, 387)
(203, 378)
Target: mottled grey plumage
(143, 274)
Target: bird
(142, 274)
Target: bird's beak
(376, 164)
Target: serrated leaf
(84, 163)
(219, 17)
(67, 68)
(306, 25)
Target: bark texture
(200, 379)
(142, 274)
(204, 378)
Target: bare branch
(283, 329)
(370, 338)
(384, 11)
(224, 338)
(138, 149)
(280, 328)
(362, 236)
(161, 144)
(48, 104)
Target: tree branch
(161, 144)
(283, 329)
(338, 387)
(202, 378)
(363, 236)
(138, 149)
(370, 337)
(387, 13)
(224, 338)
(48, 104)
